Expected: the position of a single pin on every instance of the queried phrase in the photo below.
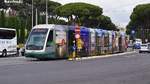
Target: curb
(86, 58)
(105, 56)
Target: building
(13, 1)
(9, 10)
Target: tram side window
(50, 39)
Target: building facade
(13, 1)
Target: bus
(8, 41)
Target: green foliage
(78, 9)
(86, 15)
(16, 23)
(41, 5)
(140, 16)
(2, 19)
(22, 21)
(106, 23)
(2, 4)
(56, 21)
(139, 20)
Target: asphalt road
(133, 68)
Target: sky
(118, 10)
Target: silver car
(145, 48)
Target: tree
(104, 22)
(22, 20)
(40, 5)
(82, 11)
(2, 4)
(139, 21)
(2, 19)
(86, 15)
(13, 22)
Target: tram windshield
(37, 39)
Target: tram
(50, 41)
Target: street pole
(32, 13)
(46, 13)
(36, 17)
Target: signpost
(77, 36)
(78, 39)
(77, 29)
(79, 42)
(76, 44)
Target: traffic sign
(77, 29)
(77, 36)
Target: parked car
(145, 48)
(137, 44)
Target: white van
(8, 41)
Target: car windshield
(36, 39)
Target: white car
(145, 48)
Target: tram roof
(51, 26)
(44, 26)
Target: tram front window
(36, 39)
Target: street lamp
(133, 34)
(32, 13)
(37, 16)
(46, 13)
(36, 21)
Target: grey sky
(118, 10)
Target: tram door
(85, 39)
(92, 43)
(61, 41)
(99, 42)
(71, 38)
(106, 43)
(50, 45)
